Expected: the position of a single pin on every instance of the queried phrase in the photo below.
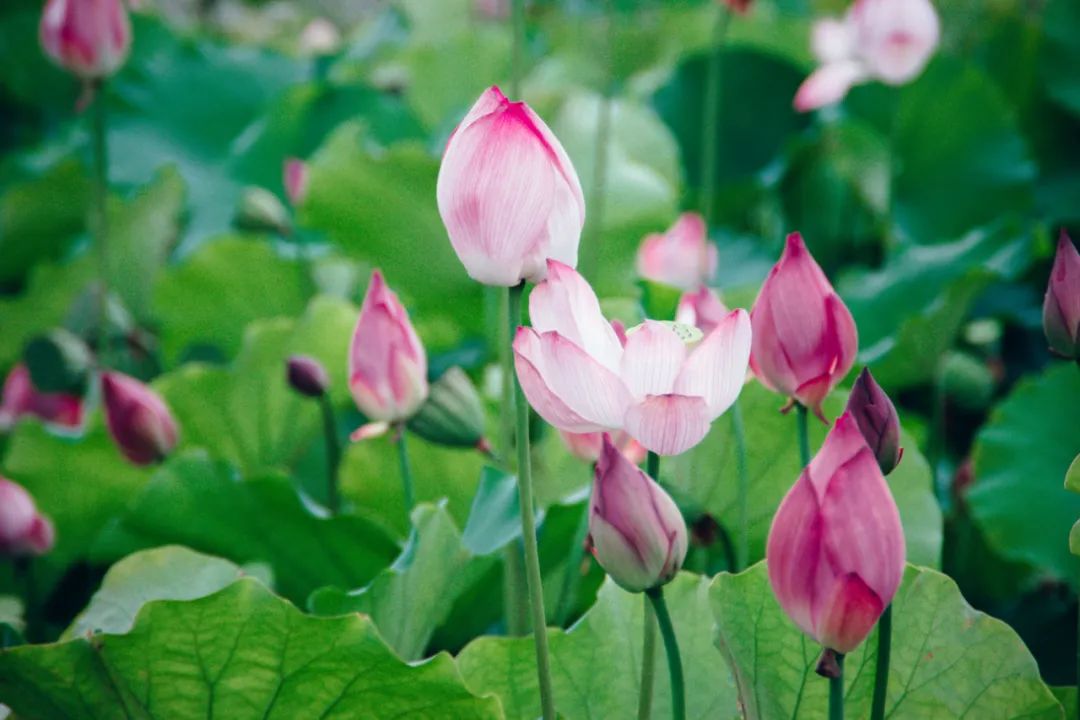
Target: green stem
(738, 431)
(517, 19)
(601, 152)
(648, 642)
(881, 673)
(514, 594)
(528, 530)
(333, 454)
(709, 128)
(648, 662)
(804, 437)
(671, 646)
(99, 139)
(836, 691)
(406, 472)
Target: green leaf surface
(705, 477)
(80, 483)
(948, 660)
(1020, 457)
(210, 298)
(204, 505)
(413, 596)
(240, 653)
(171, 572)
(495, 516)
(1072, 475)
(247, 413)
(596, 665)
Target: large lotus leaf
(596, 665)
(706, 478)
(206, 506)
(239, 653)
(948, 660)
(1021, 456)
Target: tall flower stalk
(648, 639)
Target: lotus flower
(1061, 306)
(878, 422)
(580, 378)
(587, 446)
(508, 194)
(387, 362)
(21, 398)
(23, 530)
(702, 309)
(682, 257)
(886, 40)
(138, 419)
(804, 336)
(89, 38)
(638, 534)
(306, 375)
(295, 177)
(836, 547)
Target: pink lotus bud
(387, 363)
(295, 178)
(836, 547)
(804, 336)
(682, 257)
(638, 534)
(702, 309)
(23, 530)
(306, 375)
(587, 446)
(876, 417)
(138, 419)
(508, 194)
(89, 38)
(739, 6)
(21, 398)
(1061, 306)
(886, 40)
(492, 9)
(662, 391)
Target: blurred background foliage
(933, 207)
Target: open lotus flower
(21, 398)
(886, 40)
(878, 422)
(702, 309)
(587, 446)
(580, 378)
(836, 547)
(682, 257)
(138, 419)
(23, 530)
(638, 534)
(804, 336)
(1061, 305)
(387, 362)
(508, 194)
(89, 38)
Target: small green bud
(262, 211)
(452, 414)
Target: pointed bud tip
(307, 376)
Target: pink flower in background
(638, 534)
(836, 547)
(387, 362)
(886, 40)
(702, 309)
(580, 378)
(804, 336)
(587, 446)
(21, 398)
(508, 194)
(138, 419)
(1061, 305)
(739, 6)
(295, 178)
(682, 257)
(23, 530)
(90, 38)
(878, 422)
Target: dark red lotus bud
(138, 419)
(307, 376)
(876, 417)
(1061, 306)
